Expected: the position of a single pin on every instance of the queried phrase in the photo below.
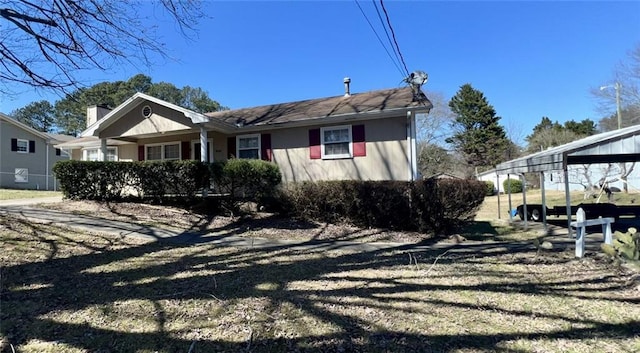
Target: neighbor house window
(163, 151)
(249, 146)
(93, 154)
(336, 142)
(23, 146)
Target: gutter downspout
(411, 146)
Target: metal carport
(621, 145)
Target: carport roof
(608, 147)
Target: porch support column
(204, 155)
(204, 151)
(103, 149)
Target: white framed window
(21, 175)
(93, 154)
(23, 146)
(195, 150)
(162, 151)
(248, 146)
(336, 142)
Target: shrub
(429, 205)
(246, 179)
(490, 188)
(625, 247)
(512, 186)
(113, 180)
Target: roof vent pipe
(347, 92)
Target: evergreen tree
(38, 115)
(71, 111)
(550, 134)
(478, 135)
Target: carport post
(498, 188)
(544, 202)
(567, 200)
(510, 206)
(524, 201)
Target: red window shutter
(314, 144)
(14, 145)
(32, 146)
(141, 153)
(265, 147)
(359, 141)
(231, 147)
(185, 151)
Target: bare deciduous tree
(627, 75)
(46, 43)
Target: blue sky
(530, 59)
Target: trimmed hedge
(426, 206)
(106, 181)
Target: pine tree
(38, 115)
(478, 135)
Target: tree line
(68, 115)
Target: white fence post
(580, 232)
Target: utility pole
(617, 87)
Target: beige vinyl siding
(386, 159)
(163, 120)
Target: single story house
(364, 136)
(27, 155)
(497, 179)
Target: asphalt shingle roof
(368, 102)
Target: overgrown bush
(512, 186)
(429, 205)
(490, 188)
(246, 179)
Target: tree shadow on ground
(258, 284)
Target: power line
(380, 40)
(394, 37)
(384, 26)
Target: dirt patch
(263, 225)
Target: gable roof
(133, 102)
(52, 138)
(368, 103)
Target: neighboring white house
(496, 179)
(27, 156)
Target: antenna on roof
(415, 80)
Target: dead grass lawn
(64, 291)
